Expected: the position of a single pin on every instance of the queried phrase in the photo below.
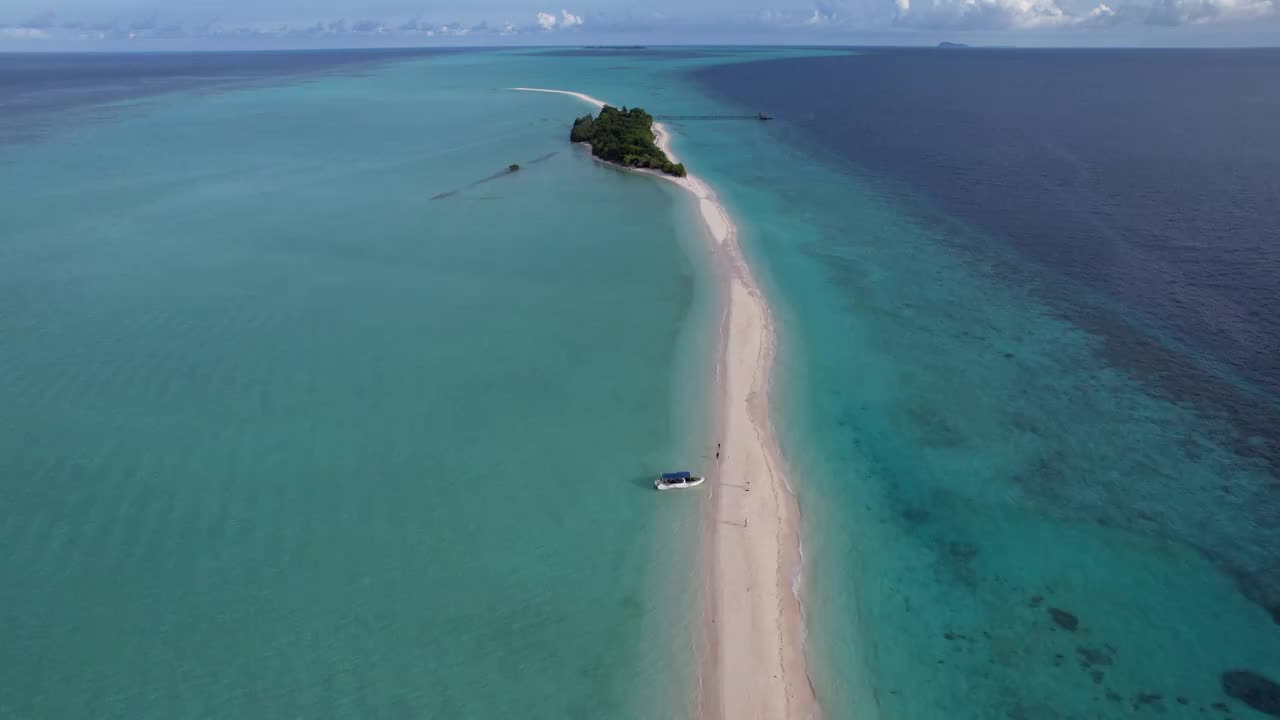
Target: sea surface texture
(310, 408)
(1028, 308)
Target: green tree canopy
(624, 137)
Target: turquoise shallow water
(284, 436)
(287, 373)
(1001, 520)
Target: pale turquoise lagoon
(284, 435)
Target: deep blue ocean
(287, 361)
(1032, 352)
(1148, 175)
(45, 82)
(1140, 187)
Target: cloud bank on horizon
(28, 24)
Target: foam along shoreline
(754, 665)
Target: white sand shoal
(754, 664)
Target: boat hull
(679, 484)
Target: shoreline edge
(753, 625)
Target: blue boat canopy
(682, 475)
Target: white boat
(678, 480)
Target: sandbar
(754, 664)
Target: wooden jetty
(757, 116)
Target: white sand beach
(755, 663)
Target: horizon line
(620, 46)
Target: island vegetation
(513, 167)
(624, 137)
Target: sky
(59, 25)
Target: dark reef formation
(1258, 692)
(1064, 619)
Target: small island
(624, 137)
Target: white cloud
(997, 14)
(548, 21)
(23, 33)
(823, 13)
(369, 27)
(1199, 12)
(1101, 14)
(826, 12)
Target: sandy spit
(754, 664)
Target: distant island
(624, 137)
(946, 44)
